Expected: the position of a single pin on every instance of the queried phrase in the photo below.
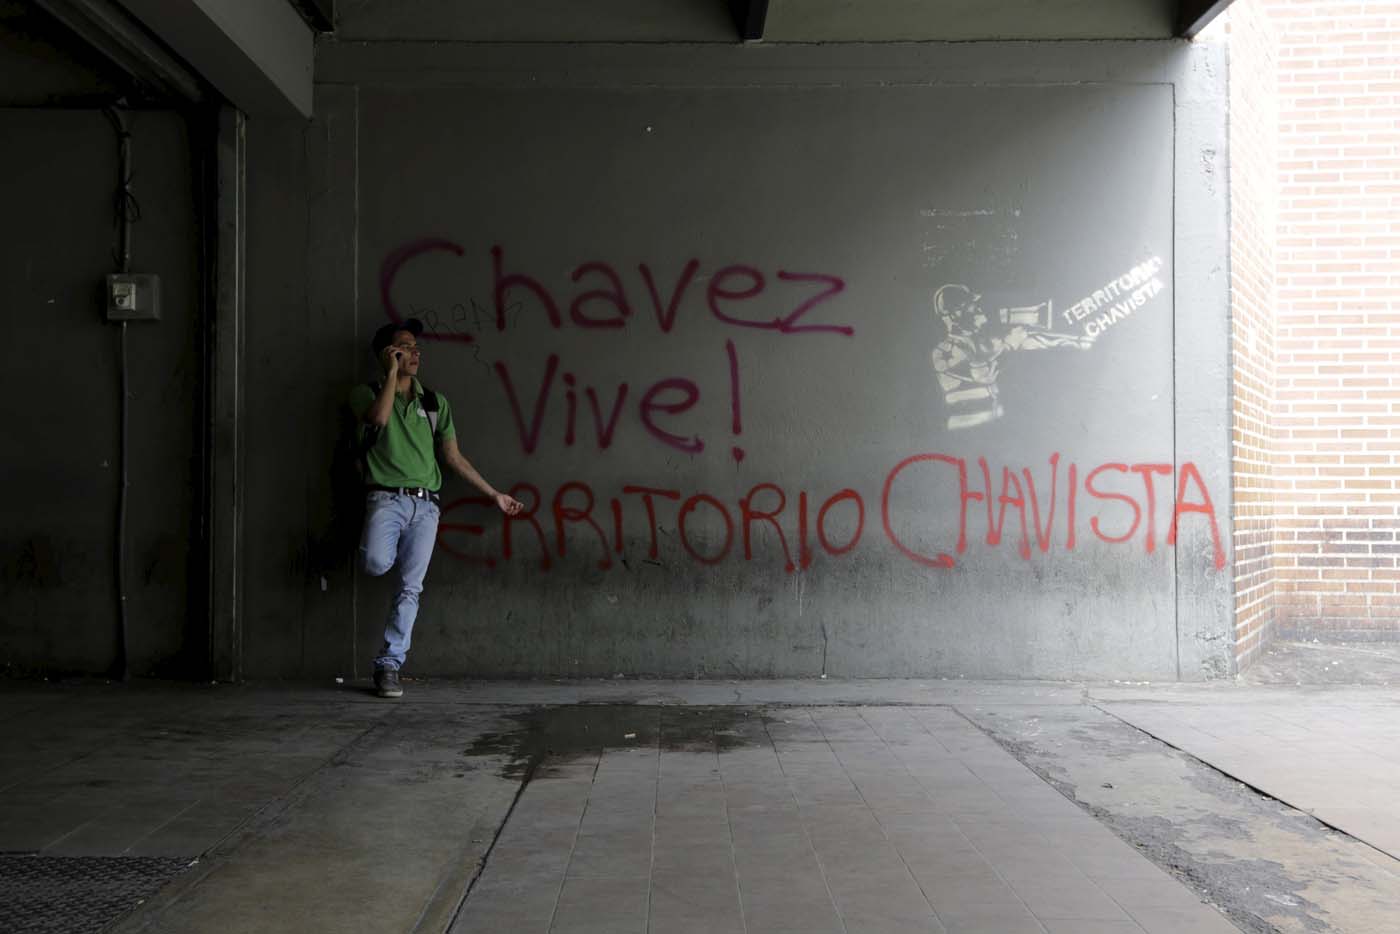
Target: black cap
(385, 335)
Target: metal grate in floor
(77, 895)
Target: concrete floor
(877, 806)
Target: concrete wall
(60, 473)
(59, 478)
(587, 228)
(802, 449)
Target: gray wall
(59, 477)
(1030, 174)
(60, 473)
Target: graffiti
(663, 401)
(738, 295)
(603, 304)
(1032, 514)
(574, 504)
(967, 361)
(936, 510)
(736, 414)
(389, 269)
(1038, 514)
(987, 238)
(1133, 289)
(785, 324)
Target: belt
(417, 492)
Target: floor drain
(75, 895)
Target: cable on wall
(126, 212)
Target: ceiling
(260, 54)
(776, 20)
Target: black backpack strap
(430, 405)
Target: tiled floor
(295, 810)
(874, 819)
(158, 773)
(706, 806)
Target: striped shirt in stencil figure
(967, 360)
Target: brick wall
(1337, 411)
(1253, 219)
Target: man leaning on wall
(403, 431)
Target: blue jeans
(398, 529)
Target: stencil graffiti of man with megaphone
(967, 360)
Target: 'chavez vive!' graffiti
(1051, 508)
(609, 308)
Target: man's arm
(383, 405)
(1024, 338)
(464, 469)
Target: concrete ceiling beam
(319, 14)
(257, 53)
(1194, 15)
(750, 16)
(114, 34)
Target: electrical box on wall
(133, 297)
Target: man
(403, 430)
(967, 359)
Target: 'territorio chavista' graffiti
(1117, 299)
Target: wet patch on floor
(545, 737)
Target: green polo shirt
(405, 454)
